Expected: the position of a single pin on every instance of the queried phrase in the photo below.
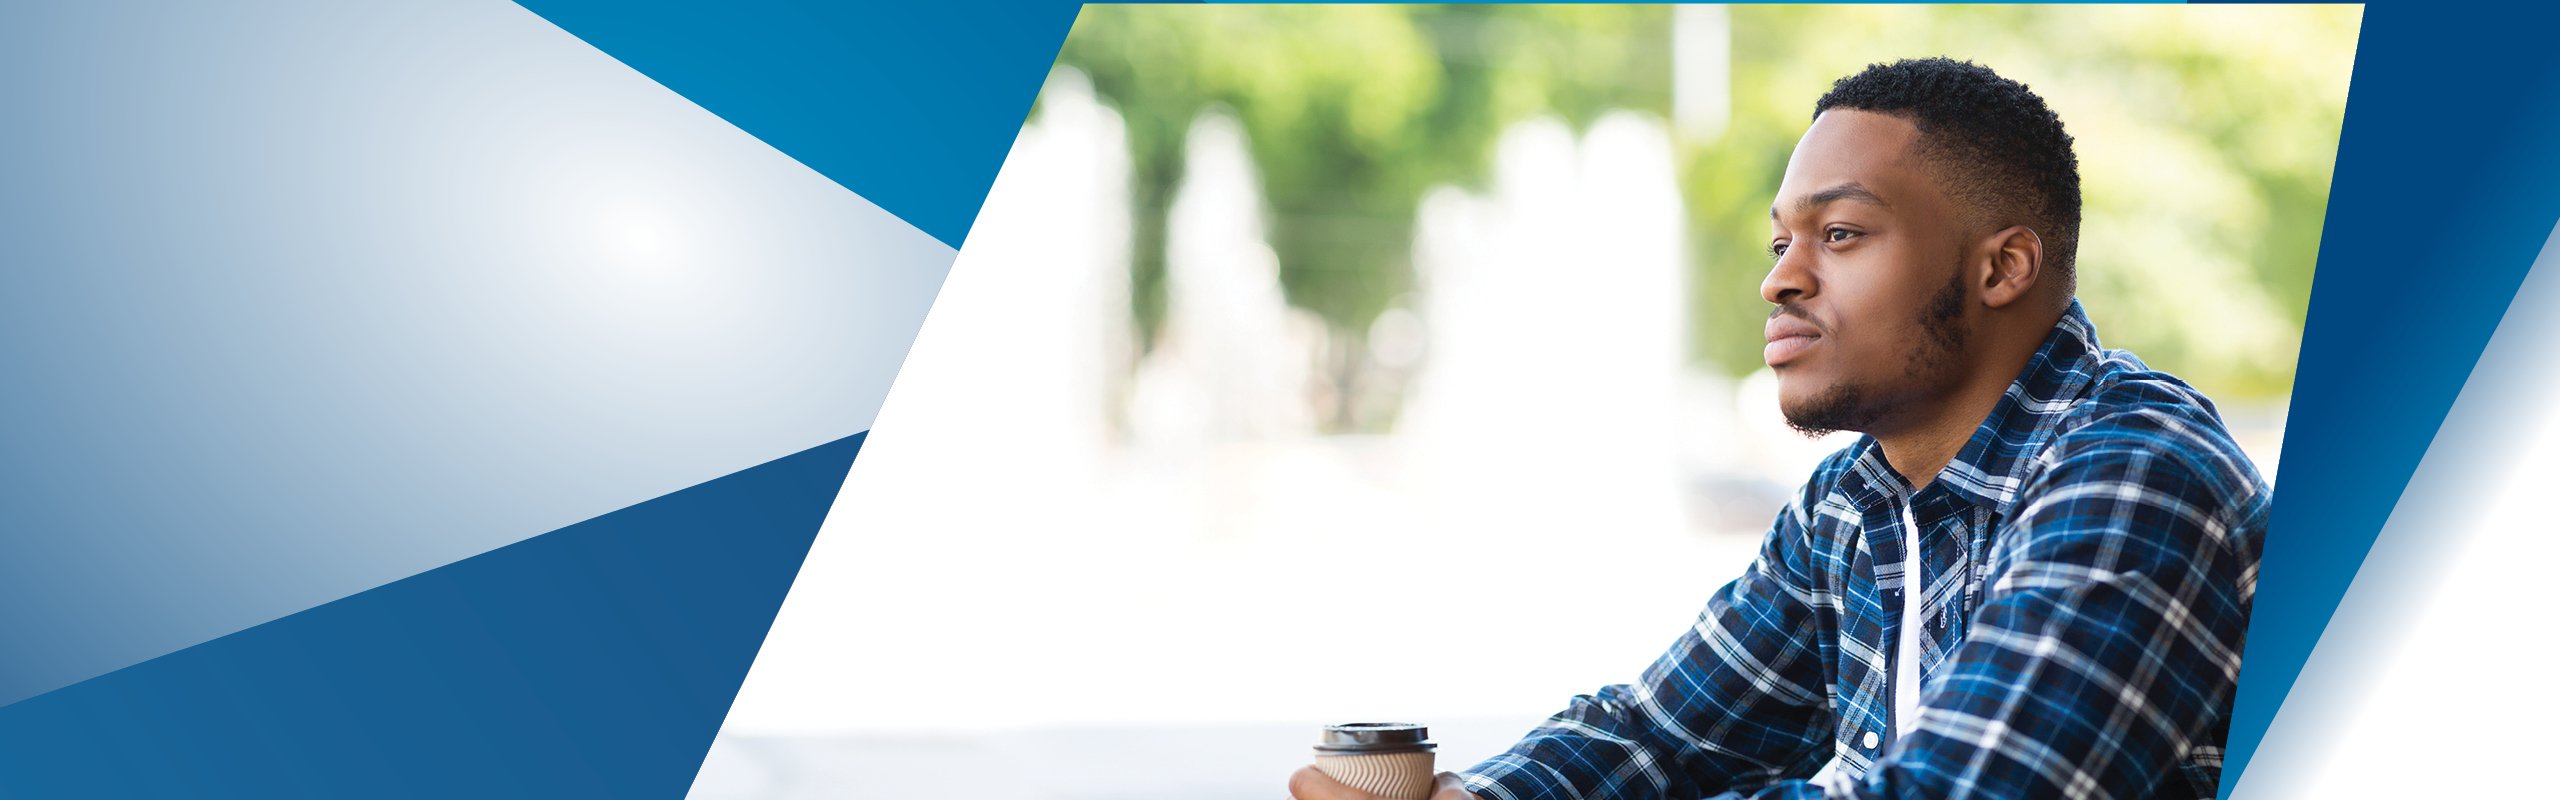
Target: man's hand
(1309, 783)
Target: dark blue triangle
(597, 660)
(911, 105)
(2446, 187)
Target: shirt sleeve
(1737, 701)
(2108, 643)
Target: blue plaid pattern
(2087, 563)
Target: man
(2083, 532)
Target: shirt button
(1870, 741)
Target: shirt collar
(1993, 465)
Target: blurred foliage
(2205, 134)
(1352, 113)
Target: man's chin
(1798, 399)
(1818, 411)
(1804, 420)
(1809, 428)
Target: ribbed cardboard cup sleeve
(1395, 776)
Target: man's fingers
(1309, 783)
(1448, 786)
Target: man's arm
(1736, 702)
(2108, 643)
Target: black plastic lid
(1376, 737)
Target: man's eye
(1777, 249)
(1837, 235)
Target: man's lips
(1788, 338)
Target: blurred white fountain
(1001, 575)
(1555, 310)
(1235, 361)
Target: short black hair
(1994, 142)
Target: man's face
(1871, 300)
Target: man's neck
(1920, 451)
(1921, 444)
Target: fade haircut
(1995, 146)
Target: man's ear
(2010, 265)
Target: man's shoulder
(2129, 411)
(2139, 461)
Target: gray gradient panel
(298, 298)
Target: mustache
(1792, 310)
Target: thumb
(1448, 786)
(1309, 783)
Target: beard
(1852, 406)
(1843, 407)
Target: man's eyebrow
(1846, 191)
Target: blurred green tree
(2205, 135)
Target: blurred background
(1322, 364)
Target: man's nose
(1787, 280)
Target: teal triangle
(911, 105)
(597, 660)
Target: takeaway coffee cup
(1387, 759)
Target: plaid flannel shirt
(2087, 563)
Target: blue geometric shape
(302, 297)
(2486, 438)
(911, 105)
(2445, 186)
(593, 661)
